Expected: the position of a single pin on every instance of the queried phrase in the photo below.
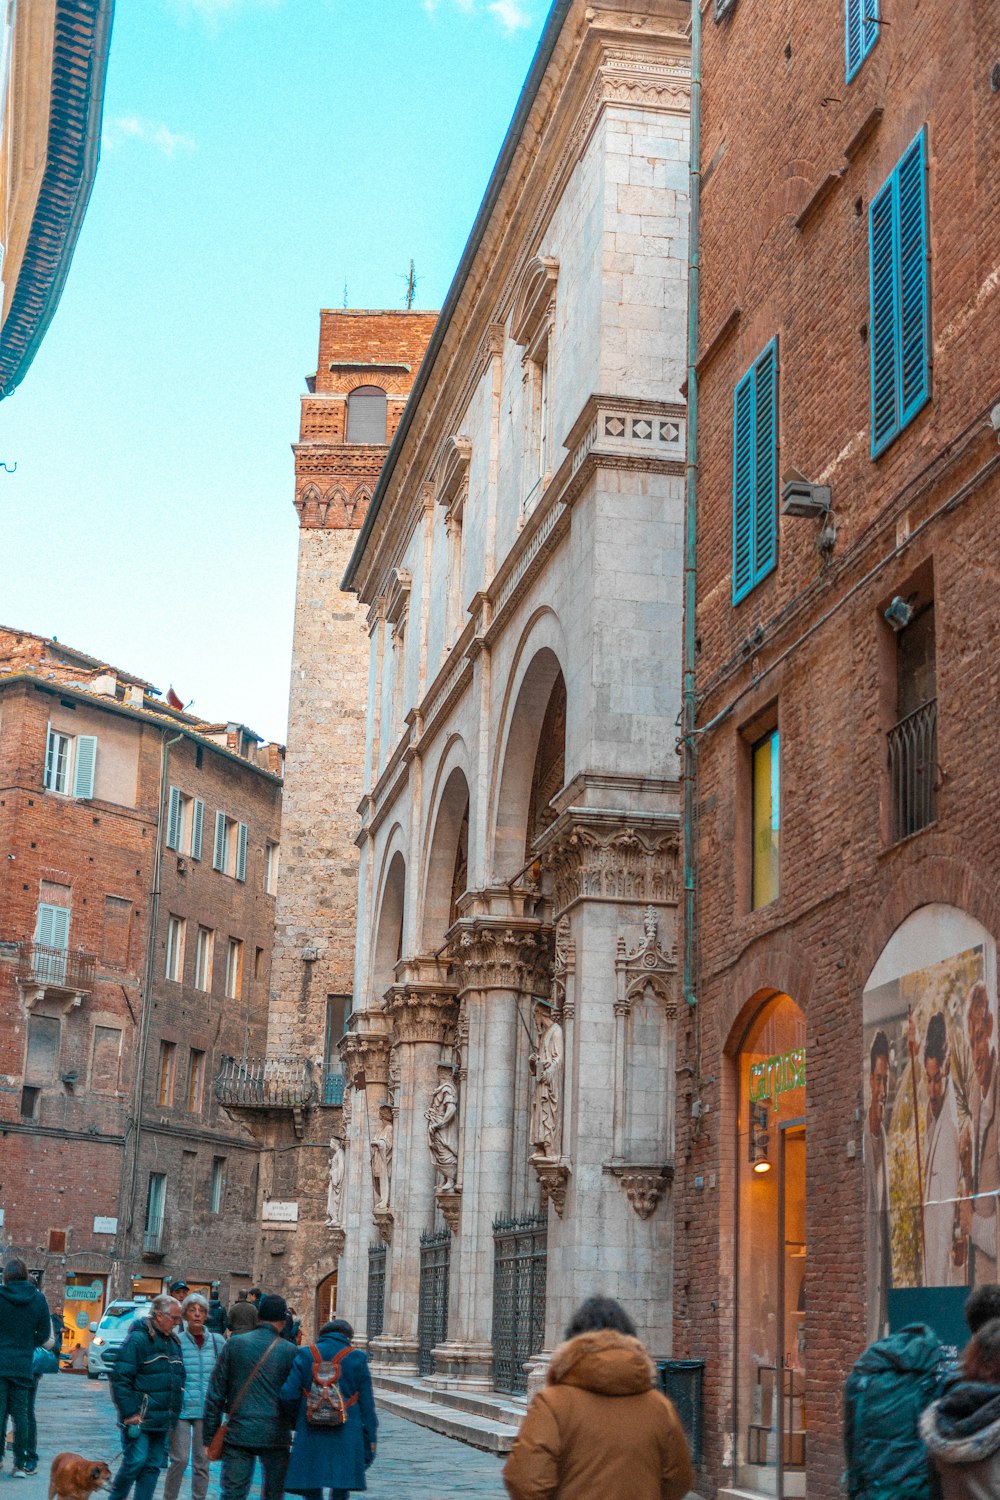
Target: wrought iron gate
(519, 1251)
(432, 1325)
(376, 1290)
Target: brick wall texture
(808, 649)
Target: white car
(109, 1335)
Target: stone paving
(77, 1415)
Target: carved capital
(420, 1014)
(553, 1177)
(365, 1056)
(449, 1201)
(383, 1223)
(643, 1186)
(502, 956)
(589, 861)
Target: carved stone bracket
(450, 1204)
(643, 1186)
(588, 861)
(338, 1240)
(553, 1176)
(502, 956)
(383, 1223)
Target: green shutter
(197, 827)
(241, 852)
(755, 473)
(219, 852)
(899, 278)
(174, 819)
(52, 926)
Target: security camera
(898, 613)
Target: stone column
(365, 1054)
(422, 1012)
(501, 952)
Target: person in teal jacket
(200, 1348)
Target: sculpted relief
(335, 1190)
(442, 1128)
(546, 1064)
(382, 1160)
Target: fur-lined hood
(610, 1363)
(963, 1426)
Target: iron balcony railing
(266, 1083)
(912, 770)
(152, 1236)
(333, 1087)
(56, 968)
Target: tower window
(366, 415)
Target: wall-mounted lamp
(759, 1139)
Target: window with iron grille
(899, 252)
(376, 1290)
(912, 740)
(520, 1248)
(432, 1312)
(755, 473)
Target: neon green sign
(776, 1076)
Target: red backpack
(325, 1406)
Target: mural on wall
(931, 1147)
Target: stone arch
(450, 804)
(388, 946)
(536, 673)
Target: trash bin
(680, 1380)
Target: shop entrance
(771, 1309)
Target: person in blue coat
(331, 1458)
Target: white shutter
(197, 826)
(174, 819)
(86, 765)
(48, 780)
(219, 853)
(52, 926)
(241, 852)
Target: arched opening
(771, 1259)
(448, 861)
(389, 938)
(534, 763)
(326, 1300)
(366, 414)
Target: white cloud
(149, 132)
(512, 15)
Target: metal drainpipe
(145, 1014)
(688, 745)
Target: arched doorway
(447, 867)
(389, 938)
(771, 1251)
(326, 1300)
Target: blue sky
(258, 155)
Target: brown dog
(74, 1478)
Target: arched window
(366, 414)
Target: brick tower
(367, 363)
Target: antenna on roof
(411, 287)
(345, 296)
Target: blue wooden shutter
(174, 819)
(197, 827)
(765, 548)
(914, 321)
(241, 852)
(52, 926)
(882, 277)
(219, 852)
(743, 472)
(861, 19)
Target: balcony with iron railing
(39, 970)
(912, 746)
(333, 1088)
(152, 1237)
(271, 1082)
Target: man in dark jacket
(258, 1427)
(25, 1325)
(147, 1383)
(242, 1315)
(217, 1322)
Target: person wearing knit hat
(255, 1364)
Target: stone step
(507, 1409)
(465, 1426)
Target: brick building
(139, 852)
(833, 1163)
(366, 365)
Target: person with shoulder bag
(329, 1392)
(200, 1349)
(246, 1383)
(147, 1384)
(599, 1429)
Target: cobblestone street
(77, 1415)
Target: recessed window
(168, 1058)
(765, 819)
(70, 763)
(29, 1102)
(366, 415)
(175, 949)
(204, 949)
(218, 1189)
(234, 969)
(185, 823)
(229, 850)
(912, 739)
(270, 867)
(196, 1080)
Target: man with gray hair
(200, 1348)
(147, 1384)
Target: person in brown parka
(599, 1430)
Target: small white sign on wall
(105, 1226)
(280, 1213)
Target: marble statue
(335, 1191)
(546, 1064)
(382, 1159)
(442, 1127)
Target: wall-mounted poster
(931, 1122)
